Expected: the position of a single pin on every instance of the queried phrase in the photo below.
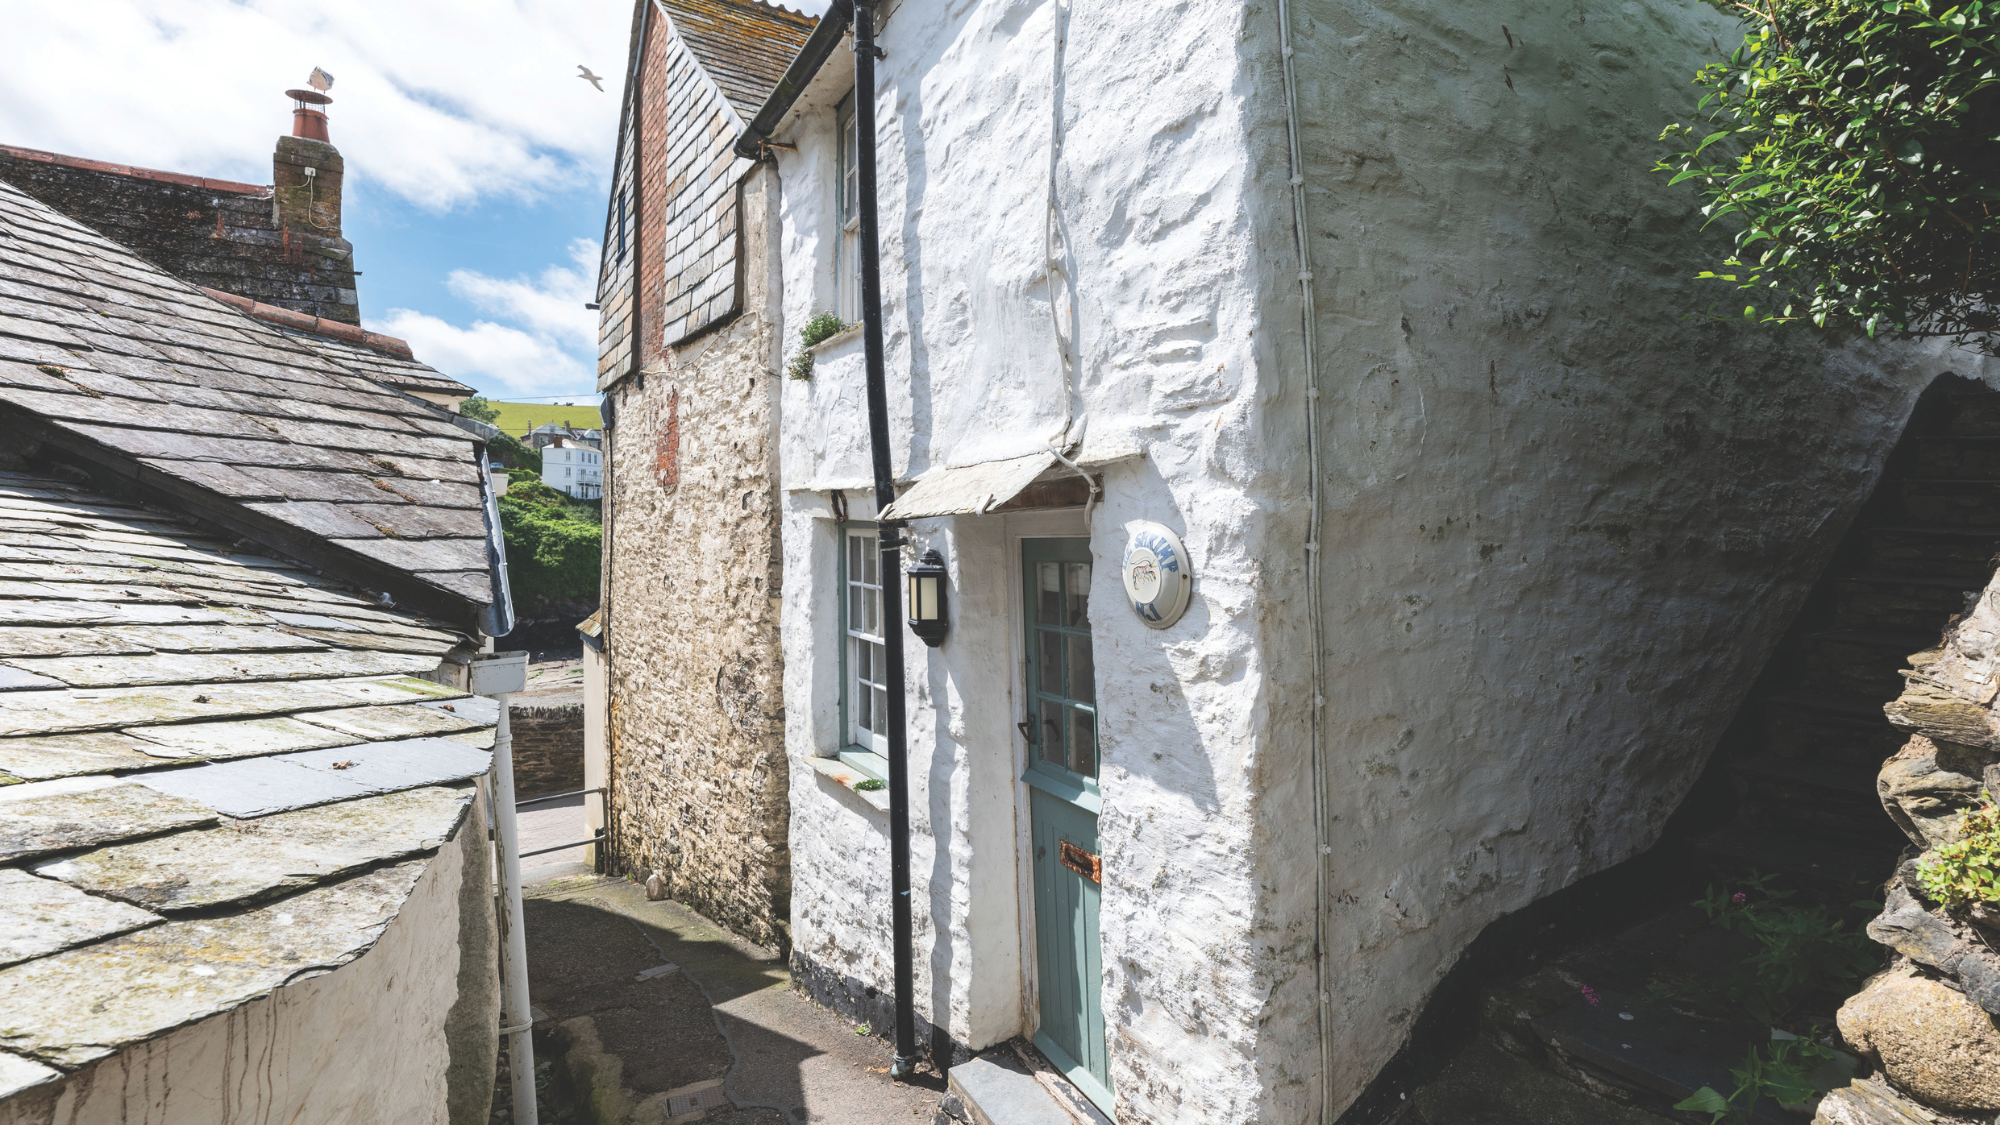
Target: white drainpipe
(497, 675)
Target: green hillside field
(518, 418)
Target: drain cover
(698, 1099)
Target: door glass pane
(1083, 741)
(1048, 661)
(1080, 680)
(1076, 597)
(1048, 593)
(1051, 733)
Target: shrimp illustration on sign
(1158, 576)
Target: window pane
(855, 610)
(853, 558)
(881, 711)
(863, 711)
(870, 558)
(1048, 661)
(1048, 593)
(1083, 741)
(1051, 734)
(864, 668)
(1080, 681)
(1076, 598)
(871, 612)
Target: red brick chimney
(306, 170)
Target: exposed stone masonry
(548, 749)
(265, 244)
(698, 772)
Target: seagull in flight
(583, 72)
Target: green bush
(1853, 147)
(1967, 871)
(479, 410)
(822, 327)
(550, 556)
(523, 458)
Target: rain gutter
(819, 47)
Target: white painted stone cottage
(1378, 308)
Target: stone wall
(548, 749)
(697, 769)
(1928, 1021)
(214, 233)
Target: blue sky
(477, 159)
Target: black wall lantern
(928, 617)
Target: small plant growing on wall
(1967, 872)
(822, 327)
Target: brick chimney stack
(306, 170)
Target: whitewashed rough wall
(1158, 302)
(1565, 524)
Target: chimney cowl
(308, 120)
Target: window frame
(846, 213)
(868, 759)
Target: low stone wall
(1928, 1021)
(548, 749)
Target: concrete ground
(724, 1028)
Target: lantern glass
(927, 599)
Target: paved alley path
(724, 1028)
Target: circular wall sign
(1158, 576)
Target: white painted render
(1564, 524)
(364, 1042)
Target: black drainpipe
(891, 534)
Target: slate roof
(217, 771)
(743, 44)
(209, 231)
(119, 365)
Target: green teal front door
(1063, 805)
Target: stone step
(1960, 554)
(1813, 797)
(1962, 458)
(997, 1088)
(1806, 724)
(1976, 414)
(1897, 602)
(1944, 502)
(1864, 663)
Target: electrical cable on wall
(1322, 821)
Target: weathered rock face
(698, 773)
(1927, 784)
(1930, 1040)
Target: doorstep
(998, 1088)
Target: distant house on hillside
(573, 468)
(551, 433)
(247, 556)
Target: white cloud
(442, 102)
(550, 306)
(540, 348)
(486, 354)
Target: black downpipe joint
(891, 538)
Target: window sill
(851, 332)
(868, 762)
(847, 777)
